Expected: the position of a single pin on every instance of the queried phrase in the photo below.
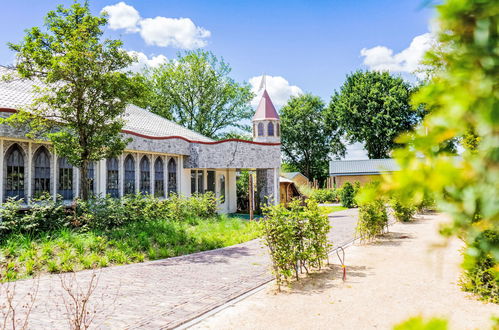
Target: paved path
(166, 293)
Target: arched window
(91, 177)
(112, 185)
(172, 176)
(260, 129)
(270, 129)
(42, 172)
(65, 188)
(145, 176)
(14, 180)
(159, 178)
(129, 175)
(278, 133)
(222, 189)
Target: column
(102, 181)
(121, 175)
(54, 171)
(267, 187)
(137, 173)
(151, 173)
(29, 173)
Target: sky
(302, 46)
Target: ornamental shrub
(324, 195)
(403, 212)
(480, 275)
(347, 195)
(296, 237)
(373, 219)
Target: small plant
(418, 323)
(347, 195)
(403, 212)
(296, 237)
(373, 219)
(15, 310)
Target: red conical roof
(266, 109)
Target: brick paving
(163, 294)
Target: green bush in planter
(373, 219)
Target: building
(162, 157)
(363, 171)
(297, 178)
(289, 190)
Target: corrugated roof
(291, 175)
(19, 92)
(367, 166)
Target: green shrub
(347, 195)
(417, 323)
(296, 237)
(324, 195)
(373, 219)
(402, 211)
(481, 276)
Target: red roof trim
(10, 110)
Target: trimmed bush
(373, 219)
(324, 195)
(403, 212)
(296, 237)
(347, 195)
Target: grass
(68, 250)
(325, 210)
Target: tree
(85, 91)
(464, 102)
(374, 108)
(307, 140)
(196, 91)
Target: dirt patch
(409, 271)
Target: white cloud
(278, 88)
(381, 58)
(122, 16)
(144, 62)
(159, 31)
(176, 32)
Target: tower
(266, 126)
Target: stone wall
(233, 154)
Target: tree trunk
(84, 181)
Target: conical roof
(266, 109)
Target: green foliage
(195, 91)
(418, 323)
(85, 89)
(374, 108)
(347, 195)
(480, 275)
(45, 214)
(68, 249)
(296, 236)
(307, 139)
(463, 95)
(373, 218)
(403, 212)
(324, 195)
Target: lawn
(68, 250)
(325, 210)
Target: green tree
(464, 99)
(374, 108)
(307, 140)
(196, 91)
(85, 91)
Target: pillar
(267, 185)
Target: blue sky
(304, 46)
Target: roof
(292, 175)
(281, 179)
(266, 109)
(19, 93)
(367, 166)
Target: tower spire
(263, 83)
